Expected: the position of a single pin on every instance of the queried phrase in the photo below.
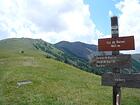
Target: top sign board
(116, 44)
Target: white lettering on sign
(108, 42)
(115, 43)
(120, 42)
(106, 61)
(114, 27)
(114, 32)
(119, 80)
(111, 61)
(97, 65)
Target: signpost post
(115, 34)
(116, 61)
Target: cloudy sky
(70, 20)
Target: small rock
(24, 82)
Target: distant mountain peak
(77, 48)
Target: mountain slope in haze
(87, 51)
(136, 57)
(78, 49)
(52, 82)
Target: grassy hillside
(13, 47)
(53, 82)
(63, 56)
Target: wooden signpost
(116, 61)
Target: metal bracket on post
(117, 99)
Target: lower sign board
(121, 61)
(122, 80)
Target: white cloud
(129, 20)
(51, 20)
(110, 13)
(13, 19)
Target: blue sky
(69, 20)
(99, 10)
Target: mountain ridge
(67, 55)
(78, 48)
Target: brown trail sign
(115, 44)
(122, 80)
(122, 61)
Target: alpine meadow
(52, 81)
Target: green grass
(53, 82)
